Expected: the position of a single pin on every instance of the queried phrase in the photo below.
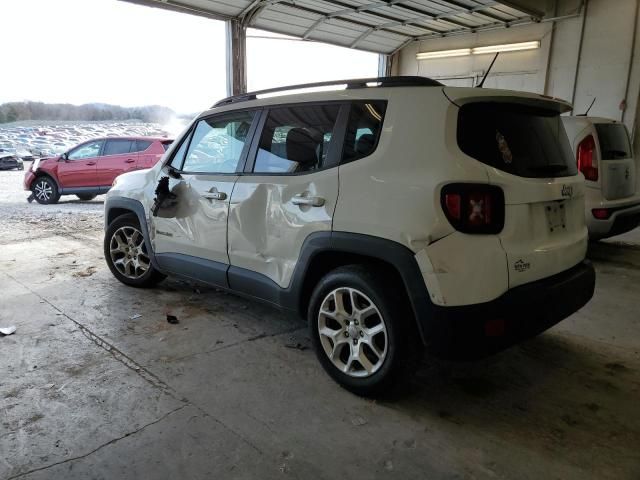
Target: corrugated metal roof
(380, 26)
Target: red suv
(90, 168)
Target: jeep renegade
(393, 214)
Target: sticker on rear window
(503, 146)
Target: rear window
(614, 141)
(521, 140)
(296, 139)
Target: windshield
(521, 140)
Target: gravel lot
(70, 216)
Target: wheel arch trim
(293, 298)
(394, 254)
(135, 207)
(39, 174)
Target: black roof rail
(399, 81)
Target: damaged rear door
(190, 222)
(288, 192)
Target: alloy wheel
(128, 252)
(352, 332)
(43, 190)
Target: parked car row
(395, 215)
(39, 141)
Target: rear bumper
(474, 331)
(621, 220)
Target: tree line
(19, 111)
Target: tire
(45, 190)
(396, 348)
(122, 238)
(86, 197)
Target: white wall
(517, 71)
(551, 70)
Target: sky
(108, 51)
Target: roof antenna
(486, 74)
(585, 113)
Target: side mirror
(64, 157)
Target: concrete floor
(233, 391)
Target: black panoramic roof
(375, 82)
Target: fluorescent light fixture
(509, 47)
(373, 112)
(444, 53)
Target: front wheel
(45, 190)
(126, 253)
(363, 330)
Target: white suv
(603, 154)
(393, 214)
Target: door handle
(215, 195)
(310, 201)
(129, 160)
(91, 163)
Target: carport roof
(380, 26)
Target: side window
(296, 139)
(88, 150)
(117, 147)
(217, 144)
(141, 145)
(363, 129)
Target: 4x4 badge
(521, 266)
(567, 191)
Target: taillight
(473, 207)
(453, 202)
(601, 213)
(585, 158)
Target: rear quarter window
(142, 145)
(363, 129)
(524, 141)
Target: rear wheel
(126, 253)
(86, 197)
(45, 190)
(363, 330)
